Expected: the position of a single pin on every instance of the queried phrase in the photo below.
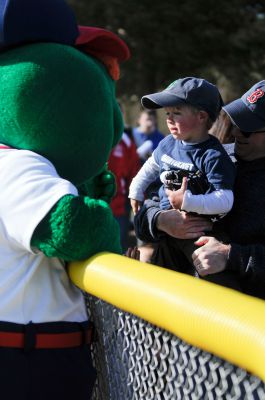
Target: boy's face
(184, 123)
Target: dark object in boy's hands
(197, 182)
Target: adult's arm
(145, 222)
(151, 223)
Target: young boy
(195, 161)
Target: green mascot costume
(59, 120)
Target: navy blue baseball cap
(248, 112)
(29, 21)
(193, 91)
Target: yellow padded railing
(221, 321)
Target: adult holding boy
(245, 253)
(191, 106)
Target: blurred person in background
(124, 162)
(146, 134)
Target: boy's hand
(176, 197)
(136, 205)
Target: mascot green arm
(76, 228)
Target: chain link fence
(136, 360)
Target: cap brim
(102, 40)
(242, 117)
(160, 100)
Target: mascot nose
(29, 21)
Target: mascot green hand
(103, 186)
(59, 110)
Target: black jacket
(245, 225)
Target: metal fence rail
(164, 335)
(138, 361)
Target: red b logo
(255, 96)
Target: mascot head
(57, 86)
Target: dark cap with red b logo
(248, 112)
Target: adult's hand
(211, 257)
(181, 225)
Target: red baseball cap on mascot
(29, 21)
(104, 45)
